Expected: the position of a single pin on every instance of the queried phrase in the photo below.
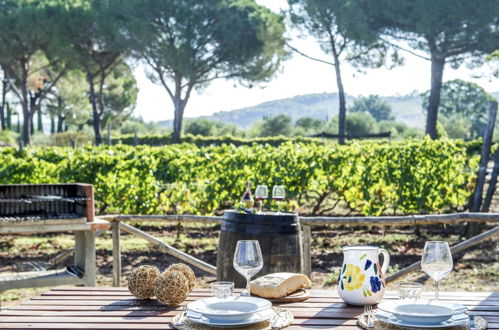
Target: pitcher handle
(386, 260)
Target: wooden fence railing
(117, 224)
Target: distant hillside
(322, 106)
(406, 109)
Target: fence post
(473, 228)
(116, 253)
(306, 241)
(492, 184)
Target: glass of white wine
(248, 261)
(437, 261)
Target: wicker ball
(188, 272)
(141, 281)
(171, 287)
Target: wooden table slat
(317, 292)
(322, 302)
(120, 295)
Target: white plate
(422, 311)
(223, 323)
(455, 320)
(230, 308)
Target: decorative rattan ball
(171, 287)
(141, 281)
(188, 272)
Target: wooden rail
(307, 222)
(169, 249)
(399, 221)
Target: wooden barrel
(279, 236)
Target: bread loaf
(279, 285)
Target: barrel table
(279, 236)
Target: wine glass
(248, 261)
(436, 261)
(261, 193)
(278, 194)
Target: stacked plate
(422, 314)
(230, 312)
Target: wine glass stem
(436, 290)
(248, 286)
(260, 207)
(278, 206)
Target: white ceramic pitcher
(362, 280)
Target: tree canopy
(374, 105)
(277, 125)
(342, 30)
(442, 32)
(68, 103)
(120, 95)
(189, 43)
(95, 44)
(28, 57)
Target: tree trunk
(27, 120)
(100, 100)
(52, 124)
(3, 123)
(9, 115)
(60, 123)
(26, 102)
(32, 123)
(95, 113)
(342, 114)
(179, 105)
(177, 121)
(39, 120)
(473, 229)
(437, 71)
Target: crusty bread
(279, 285)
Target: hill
(324, 106)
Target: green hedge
(361, 178)
(206, 141)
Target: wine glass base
(245, 293)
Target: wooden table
(114, 308)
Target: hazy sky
(298, 76)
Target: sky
(298, 76)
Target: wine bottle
(247, 199)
